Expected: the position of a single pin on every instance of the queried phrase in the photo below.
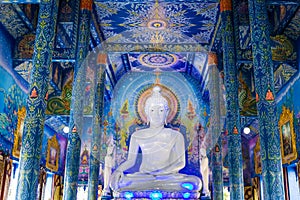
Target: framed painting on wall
(287, 136)
(53, 153)
(257, 157)
(18, 134)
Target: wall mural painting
(53, 154)
(293, 28)
(50, 133)
(13, 98)
(19, 133)
(60, 89)
(25, 47)
(280, 15)
(247, 102)
(287, 136)
(290, 99)
(282, 49)
(127, 112)
(282, 75)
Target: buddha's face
(157, 115)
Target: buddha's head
(156, 108)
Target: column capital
(225, 5)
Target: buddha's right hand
(116, 178)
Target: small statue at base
(108, 165)
(204, 171)
(163, 154)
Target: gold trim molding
(53, 153)
(287, 136)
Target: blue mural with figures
(289, 99)
(13, 98)
(11, 94)
(48, 134)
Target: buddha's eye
(152, 110)
(161, 110)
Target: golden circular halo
(167, 94)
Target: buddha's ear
(166, 117)
(147, 117)
(167, 112)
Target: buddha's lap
(141, 181)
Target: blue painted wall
(11, 96)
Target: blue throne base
(156, 195)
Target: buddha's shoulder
(140, 132)
(173, 132)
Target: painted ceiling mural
(172, 22)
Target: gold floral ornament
(287, 136)
(18, 134)
(53, 153)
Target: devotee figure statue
(204, 171)
(163, 154)
(108, 165)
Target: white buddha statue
(163, 154)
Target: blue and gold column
(97, 119)
(232, 116)
(266, 106)
(37, 100)
(217, 170)
(76, 115)
(215, 107)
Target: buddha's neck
(156, 126)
